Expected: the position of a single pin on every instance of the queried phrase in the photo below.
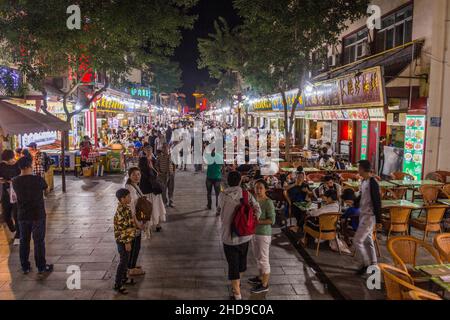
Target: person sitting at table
(350, 218)
(340, 164)
(299, 192)
(326, 161)
(328, 184)
(331, 206)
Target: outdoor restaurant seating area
(414, 239)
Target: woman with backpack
(132, 185)
(152, 189)
(263, 238)
(233, 203)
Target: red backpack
(244, 221)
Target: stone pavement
(185, 261)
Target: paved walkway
(185, 261)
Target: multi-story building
(391, 80)
(387, 77)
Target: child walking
(124, 232)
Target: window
(355, 46)
(396, 29)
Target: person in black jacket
(369, 217)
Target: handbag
(157, 187)
(144, 208)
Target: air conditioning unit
(333, 61)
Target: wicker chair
(315, 177)
(419, 295)
(435, 176)
(404, 251)
(442, 244)
(399, 283)
(429, 194)
(432, 221)
(398, 220)
(327, 230)
(401, 176)
(446, 191)
(444, 174)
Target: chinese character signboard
(110, 105)
(10, 81)
(364, 89)
(364, 139)
(414, 145)
(322, 94)
(142, 93)
(275, 102)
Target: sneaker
(16, 242)
(26, 271)
(48, 268)
(259, 289)
(120, 289)
(255, 280)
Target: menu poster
(414, 145)
(355, 114)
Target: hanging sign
(377, 114)
(364, 139)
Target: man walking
(369, 217)
(235, 247)
(166, 170)
(29, 190)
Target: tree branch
(92, 99)
(44, 106)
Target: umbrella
(17, 120)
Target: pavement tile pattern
(184, 261)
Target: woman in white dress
(150, 188)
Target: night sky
(187, 53)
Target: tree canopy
(115, 36)
(164, 77)
(273, 48)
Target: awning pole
(63, 160)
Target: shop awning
(17, 120)
(394, 62)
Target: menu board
(356, 114)
(364, 139)
(377, 114)
(414, 145)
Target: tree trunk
(287, 145)
(65, 134)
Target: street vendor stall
(16, 120)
